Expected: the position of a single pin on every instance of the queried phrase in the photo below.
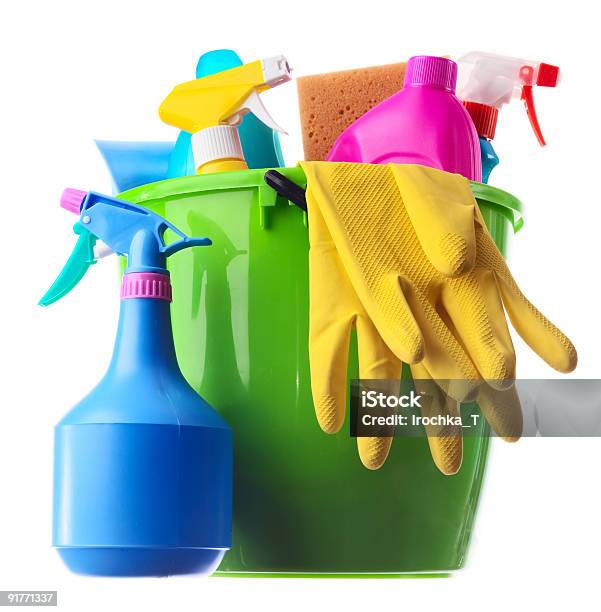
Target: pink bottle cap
(430, 71)
(72, 199)
(146, 285)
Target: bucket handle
(286, 188)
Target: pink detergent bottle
(424, 123)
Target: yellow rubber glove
(333, 316)
(391, 250)
(455, 325)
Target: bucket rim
(218, 181)
(506, 203)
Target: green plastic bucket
(303, 503)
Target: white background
(72, 72)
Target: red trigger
(528, 98)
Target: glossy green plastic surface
(303, 503)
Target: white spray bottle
(486, 82)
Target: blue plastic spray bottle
(486, 82)
(143, 465)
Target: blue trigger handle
(184, 243)
(129, 229)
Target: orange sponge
(330, 102)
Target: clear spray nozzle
(494, 80)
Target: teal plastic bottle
(490, 160)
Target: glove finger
(475, 310)
(441, 207)
(394, 320)
(332, 308)
(376, 362)
(373, 451)
(503, 411)
(446, 443)
(328, 356)
(543, 337)
(444, 358)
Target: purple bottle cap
(72, 199)
(430, 71)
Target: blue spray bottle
(143, 465)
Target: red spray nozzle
(546, 76)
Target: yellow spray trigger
(224, 97)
